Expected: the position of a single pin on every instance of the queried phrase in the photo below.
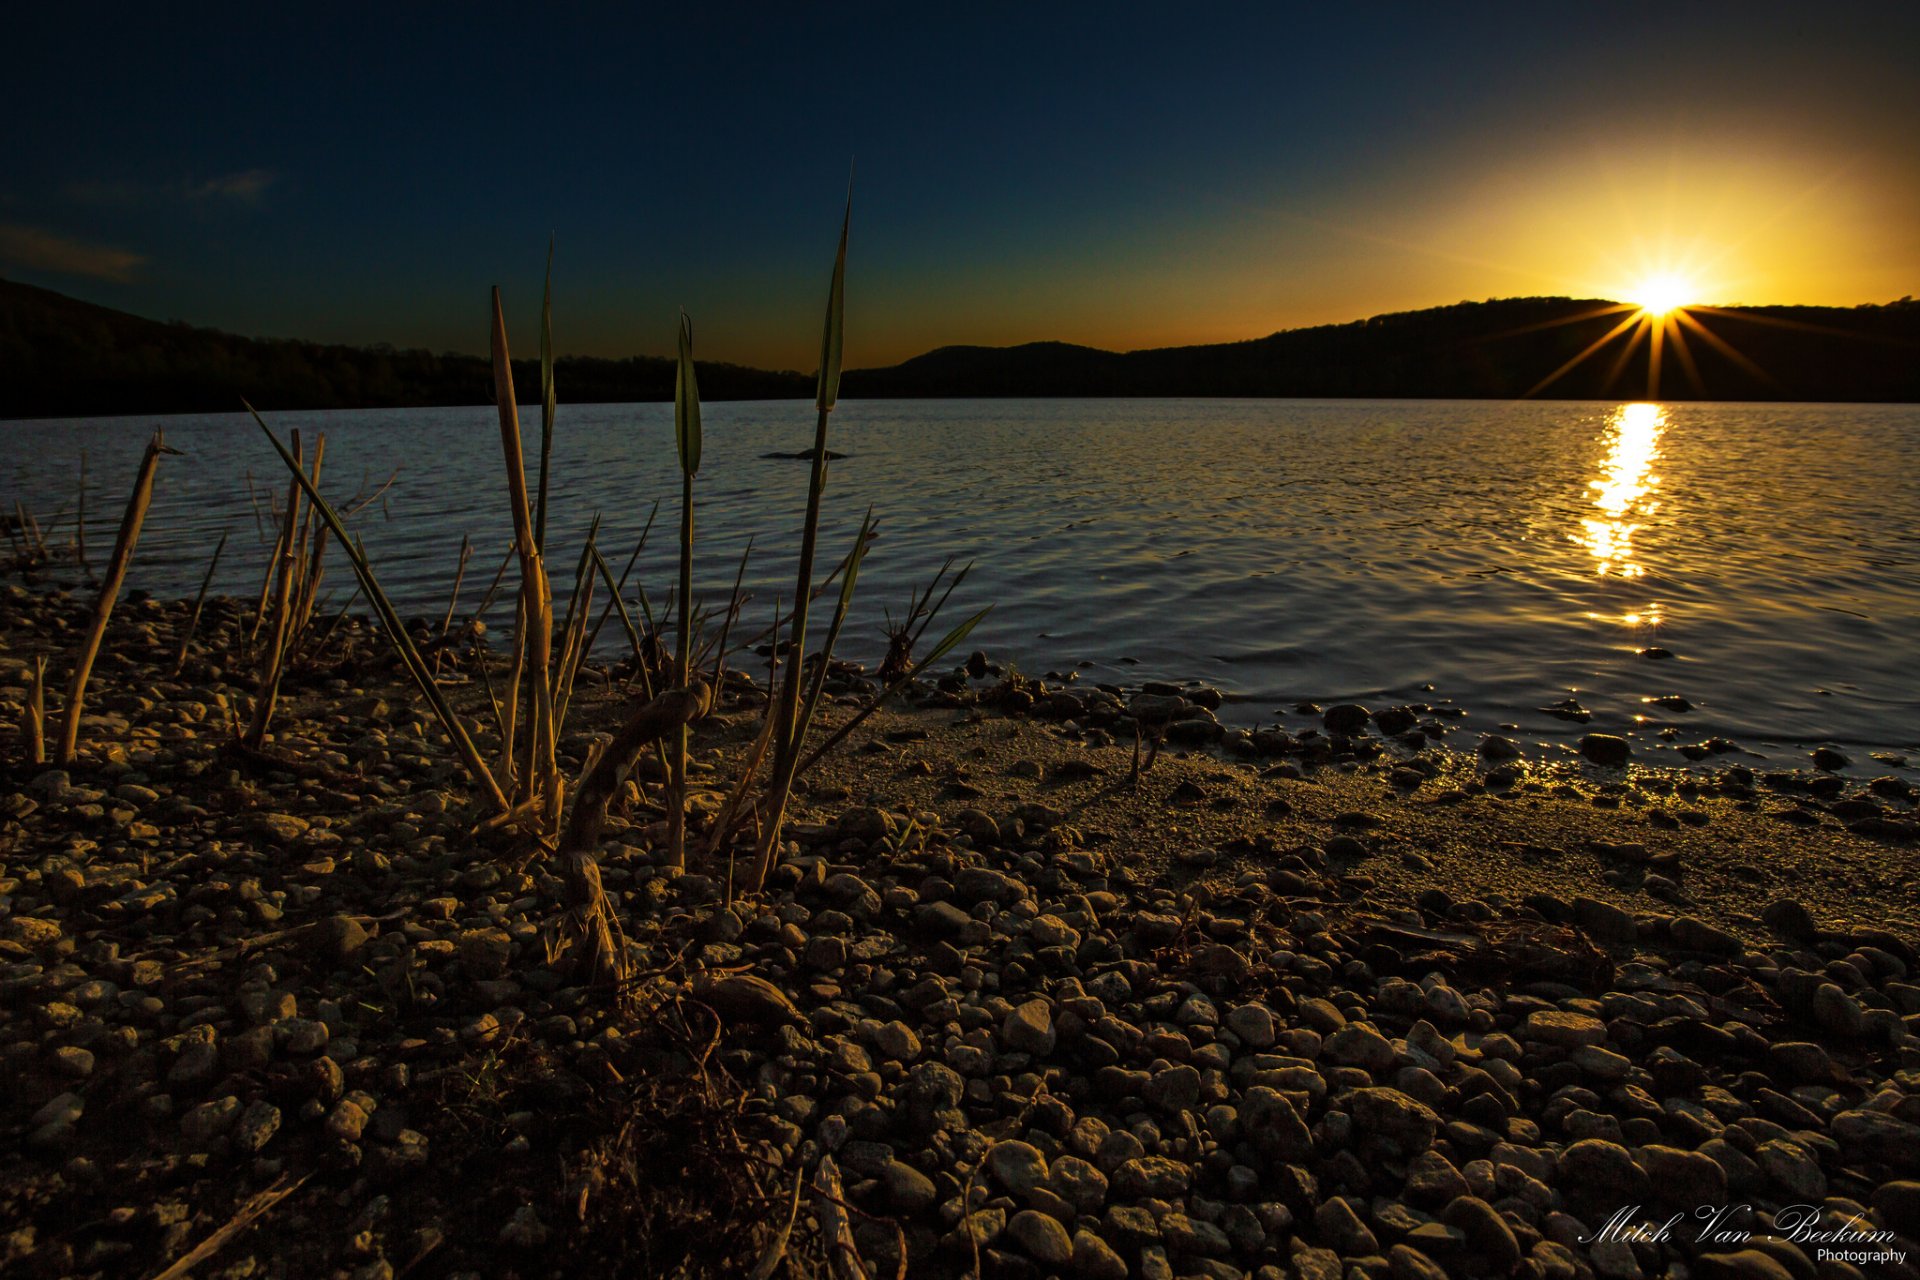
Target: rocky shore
(1344, 1004)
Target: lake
(1499, 557)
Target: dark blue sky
(1121, 175)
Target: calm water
(1501, 556)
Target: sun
(1661, 295)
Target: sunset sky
(1105, 175)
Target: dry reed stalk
(594, 921)
(130, 523)
(453, 600)
(397, 636)
(543, 774)
(510, 706)
(34, 727)
(286, 583)
(789, 727)
(199, 602)
(686, 429)
(626, 573)
(311, 567)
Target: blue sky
(1120, 175)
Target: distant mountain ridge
(61, 357)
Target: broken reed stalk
(789, 731)
(130, 523)
(397, 636)
(311, 571)
(199, 602)
(286, 584)
(34, 728)
(574, 634)
(543, 774)
(686, 432)
(453, 600)
(735, 602)
(621, 586)
(593, 916)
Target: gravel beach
(1381, 1001)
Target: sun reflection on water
(1624, 496)
(1626, 491)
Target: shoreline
(1367, 1013)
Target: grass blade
(549, 402)
(833, 339)
(946, 646)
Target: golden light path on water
(1625, 494)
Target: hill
(61, 357)
(1494, 350)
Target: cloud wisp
(246, 187)
(38, 250)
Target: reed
(288, 599)
(686, 436)
(543, 775)
(199, 602)
(34, 725)
(549, 401)
(130, 523)
(789, 728)
(397, 636)
(453, 600)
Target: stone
(282, 828)
(1391, 1114)
(1433, 1179)
(1273, 1125)
(1018, 1166)
(484, 953)
(948, 921)
(1605, 923)
(1341, 1228)
(1486, 1232)
(1836, 1011)
(1606, 749)
(1568, 1030)
(1683, 1178)
(208, 1122)
(347, 1121)
(1694, 934)
(1094, 1258)
(1359, 1045)
(1874, 1135)
(256, 1127)
(1189, 1237)
(1041, 1237)
(1154, 1177)
(1078, 1182)
(1174, 1088)
(897, 1042)
(1029, 1029)
(1742, 1264)
(905, 1188)
(1790, 918)
(1790, 1166)
(1345, 719)
(524, 1230)
(1595, 1169)
(1253, 1024)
